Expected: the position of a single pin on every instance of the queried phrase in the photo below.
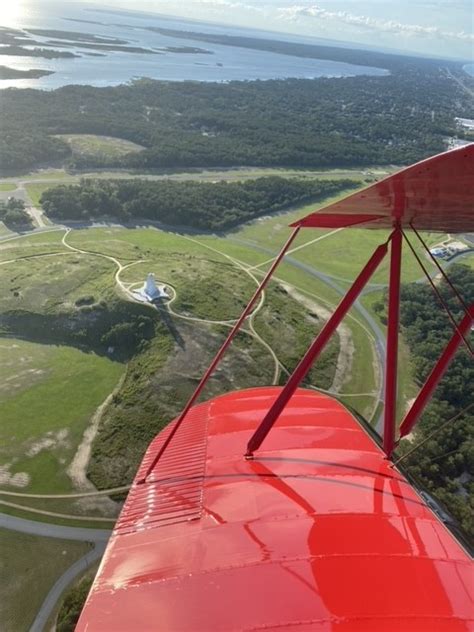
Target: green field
(362, 378)
(41, 174)
(23, 246)
(47, 398)
(106, 146)
(15, 252)
(208, 286)
(29, 567)
(467, 260)
(201, 285)
(36, 189)
(338, 253)
(49, 283)
(148, 242)
(8, 186)
(4, 231)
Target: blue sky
(436, 27)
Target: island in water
(15, 73)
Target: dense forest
(444, 464)
(364, 120)
(202, 205)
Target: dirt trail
(77, 470)
(346, 346)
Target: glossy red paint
(435, 195)
(317, 533)
(315, 349)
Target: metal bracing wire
(435, 432)
(438, 294)
(442, 272)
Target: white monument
(150, 291)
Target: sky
(433, 27)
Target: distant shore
(15, 73)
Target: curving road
(97, 537)
(49, 530)
(52, 598)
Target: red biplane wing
(435, 195)
(319, 533)
(316, 530)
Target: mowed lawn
(29, 567)
(4, 231)
(337, 253)
(36, 189)
(48, 394)
(102, 145)
(8, 186)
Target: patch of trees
(23, 147)
(46, 53)
(119, 329)
(15, 73)
(444, 464)
(72, 605)
(202, 205)
(364, 120)
(14, 215)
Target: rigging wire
(442, 272)
(441, 299)
(431, 435)
(441, 456)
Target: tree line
(445, 463)
(201, 205)
(364, 120)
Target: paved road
(53, 530)
(63, 582)
(98, 537)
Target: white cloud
(298, 12)
(227, 4)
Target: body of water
(224, 63)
